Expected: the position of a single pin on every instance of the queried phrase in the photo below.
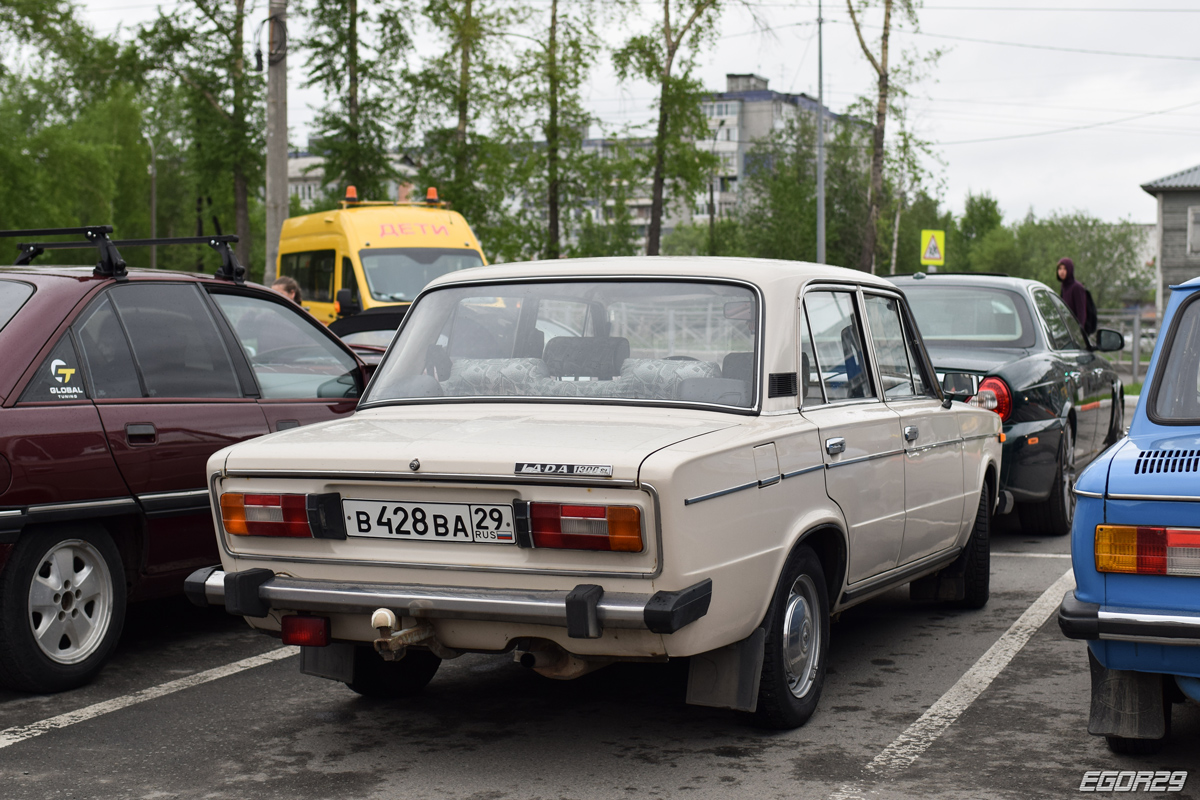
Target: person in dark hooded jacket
(1073, 293)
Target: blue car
(1135, 549)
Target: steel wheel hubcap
(70, 601)
(801, 636)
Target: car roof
(992, 281)
(762, 272)
(84, 274)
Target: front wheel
(797, 644)
(977, 558)
(62, 607)
(1054, 515)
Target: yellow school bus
(382, 253)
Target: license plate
(430, 522)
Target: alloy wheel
(70, 601)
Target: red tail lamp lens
(265, 515)
(999, 388)
(1144, 550)
(306, 631)
(569, 527)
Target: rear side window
(13, 295)
(1056, 328)
(106, 352)
(58, 378)
(290, 357)
(175, 340)
(313, 271)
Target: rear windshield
(970, 316)
(395, 274)
(13, 295)
(1176, 392)
(585, 341)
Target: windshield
(13, 295)
(1176, 393)
(582, 341)
(961, 316)
(396, 274)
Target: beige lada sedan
(589, 461)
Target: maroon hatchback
(115, 391)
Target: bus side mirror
(346, 304)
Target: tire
(1116, 425)
(62, 607)
(977, 559)
(1054, 515)
(797, 644)
(386, 680)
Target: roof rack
(111, 265)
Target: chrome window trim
(754, 408)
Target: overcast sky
(1014, 109)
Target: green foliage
(607, 177)
(354, 55)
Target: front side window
(396, 274)
(1175, 397)
(1078, 339)
(837, 340)
(176, 343)
(313, 271)
(59, 377)
(665, 341)
(887, 336)
(290, 357)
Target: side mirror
(1108, 341)
(958, 386)
(346, 304)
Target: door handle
(140, 433)
(835, 445)
(911, 433)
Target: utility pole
(153, 202)
(820, 139)
(277, 146)
(712, 208)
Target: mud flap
(728, 676)
(334, 662)
(1125, 703)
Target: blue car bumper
(1132, 639)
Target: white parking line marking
(1031, 555)
(20, 733)
(908, 746)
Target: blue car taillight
(1147, 550)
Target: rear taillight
(570, 527)
(265, 515)
(305, 631)
(994, 395)
(1144, 550)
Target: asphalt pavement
(920, 701)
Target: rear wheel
(374, 677)
(62, 607)
(797, 644)
(1054, 515)
(977, 573)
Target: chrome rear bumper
(584, 611)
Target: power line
(1072, 128)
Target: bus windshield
(397, 274)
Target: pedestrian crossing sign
(933, 248)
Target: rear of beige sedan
(576, 464)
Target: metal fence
(1140, 331)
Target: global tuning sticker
(63, 375)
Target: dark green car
(1062, 403)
